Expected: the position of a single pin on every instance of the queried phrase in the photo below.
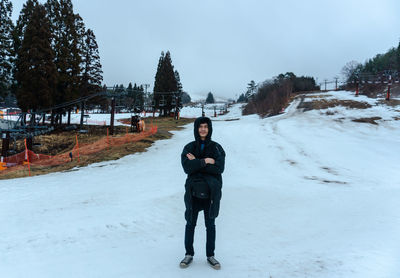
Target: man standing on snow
(203, 160)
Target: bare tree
(351, 69)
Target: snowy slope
(304, 195)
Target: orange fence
(29, 158)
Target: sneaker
(186, 261)
(213, 262)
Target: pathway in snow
(304, 195)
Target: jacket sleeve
(218, 167)
(191, 166)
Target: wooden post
(112, 116)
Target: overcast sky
(220, 45)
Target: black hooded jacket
(197, 168)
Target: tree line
(379, 64)
(48, 56)
(270, 97)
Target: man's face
(203, 130)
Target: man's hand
(190, 156)
(209, 160)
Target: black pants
(198, 205)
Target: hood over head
(197, 122)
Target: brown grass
(370, 120)
(324, 104)
(391, 102)
(63, 141)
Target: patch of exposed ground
(370, 120)
(60, 142)
(324, 104)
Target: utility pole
(325, 80)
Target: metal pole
(69, 116)
(82, 109)
(5, 145)
(389, 84)
(112, 116)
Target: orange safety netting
(29, 157)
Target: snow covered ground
(186, 112)
(304, 195)
(104, 118)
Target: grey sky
(220, 45)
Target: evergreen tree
(251, 88)
(169, 82)
(18, 36)
(129, 89)
(66, 41)
(165, 82)
(22, 22)
(157, 81)
(92, 71)
(36, 71)
(6, 46)
(242, 98)
(210, 98)
(178, 81)
(398, 57)
(165, 77)
(185, 98)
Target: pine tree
(129, 89)
(242, 98)
(169, 82)
(165, 82)
(398, 57)
(92, 71)
(67, 41)
(6, 47)
(18, 36)
(36, 71)
(22, 22)
(251, 88)
(186, 98)
(157, 81)
(178, 81)
(210, 98)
